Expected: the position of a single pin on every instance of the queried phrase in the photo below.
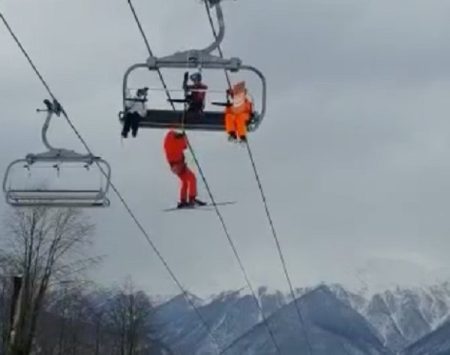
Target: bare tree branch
(41, 241)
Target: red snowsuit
(174, 146)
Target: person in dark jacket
(196, 93)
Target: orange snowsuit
(238, 114)
(236, 119)
(174, 146)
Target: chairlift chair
(59, 197)
(209, 120)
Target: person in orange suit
(238, 113)
(174, 145)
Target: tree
(75, 322)
(5, 300)
(129, 320)
(44, 246)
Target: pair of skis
(207, 207)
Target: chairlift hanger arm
(52, 109)
(57, 154)
(199, 57)
(220, 19)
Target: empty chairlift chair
(57, 160)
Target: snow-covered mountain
(228, 315)
(435, 343)
(336, 318)
(402, 316)
(328, 326)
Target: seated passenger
(238, 113)
(196, 93)
(135, 109)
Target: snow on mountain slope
(396, 318)
(402, 316)
(228, 316)
(330, 327)
(435, 343)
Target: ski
(207, 207)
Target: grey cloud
(353, 152)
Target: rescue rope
(115, 189)
(267, 210)
(213, 202)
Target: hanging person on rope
(195, 92)
(135, 110)
(174, 145)
(238, 112)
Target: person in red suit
(174, 146)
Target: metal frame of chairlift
(196, 59)
(57, 197)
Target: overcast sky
(353, 153)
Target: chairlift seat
(200, 121)
(59, 198)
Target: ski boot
(183, 204)
(196, 202)
(232, 137)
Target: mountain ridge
(392, 320)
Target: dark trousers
(130, 121)
(194, 105)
